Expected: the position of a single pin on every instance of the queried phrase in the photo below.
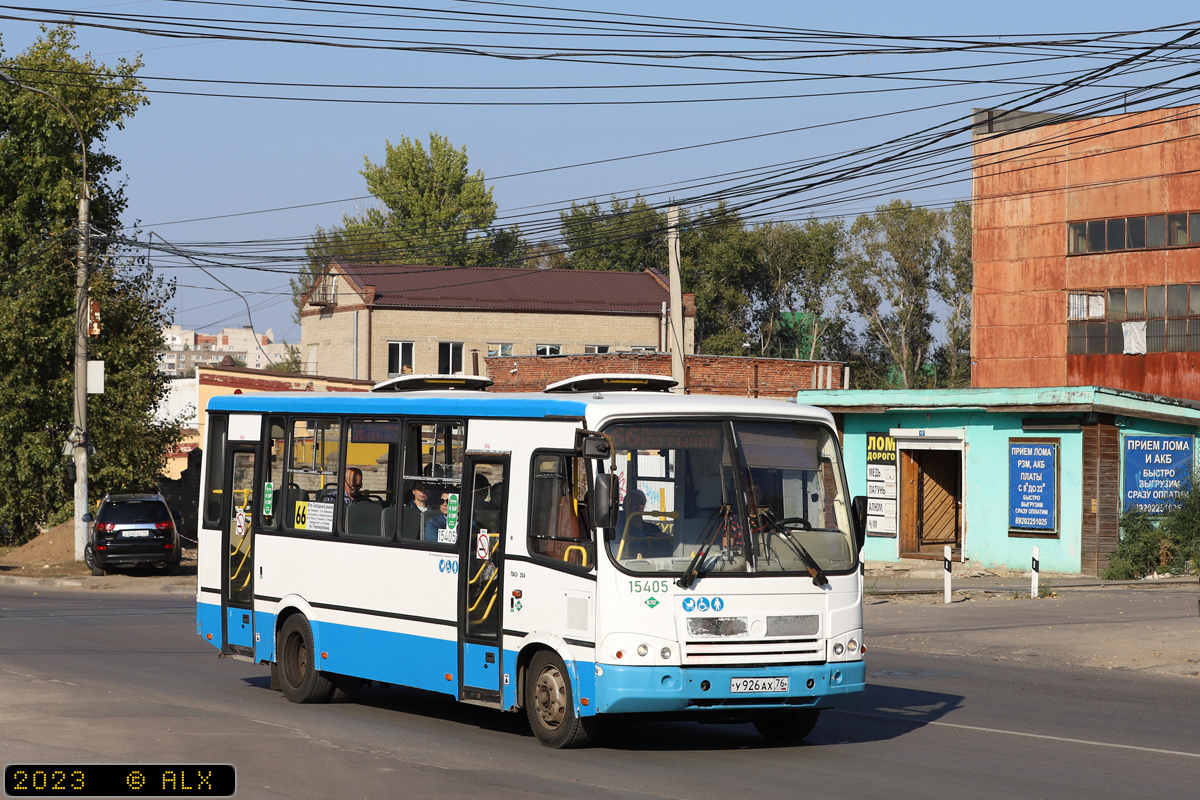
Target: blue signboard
(1157, 468)
(1032, 490)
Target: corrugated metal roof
(511, 289)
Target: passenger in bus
(420, 497)
(353, 490)
(641, 536)
(438, 521)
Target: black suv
(133, 530)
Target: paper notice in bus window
(320, 517)
(447, 536)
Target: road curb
(99, 584)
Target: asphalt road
(90, 676)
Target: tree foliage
(896, 253)
(40, 168)
(954, 284)
(433, 211)
(628, 235)
(1169, 543)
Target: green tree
(953, 284)
(40, 168)
(433, 212)
(718, 256)
(799, 269)
(628, 235)
(289, 363)
(896, 254)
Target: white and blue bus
(604, 547)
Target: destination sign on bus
(667, 437)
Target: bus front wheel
(550, 706)
(786, 725)
(299, 678)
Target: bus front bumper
(623, 690)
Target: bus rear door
(237, 579)
(481, 606)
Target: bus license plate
(750, 685)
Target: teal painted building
(994, 472)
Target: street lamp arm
(4, 76)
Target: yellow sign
(301, 521)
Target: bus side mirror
(604, 507)
(859, 507)
(596, 447)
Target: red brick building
(1087, 251)
(728, 375)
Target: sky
(208, 174)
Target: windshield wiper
(814, 569)
(693, 571)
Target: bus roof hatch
(613, 382)
(426, 383)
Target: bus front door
(237, 580)
(481, 545)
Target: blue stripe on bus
(264, 632)
(472, 404)
(208, 620)
(400, 658)
(646, 689)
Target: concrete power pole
(675, 338)
(82, 307)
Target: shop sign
(881, 484)
(1157, 469)
(1032, 485)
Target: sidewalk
(920, 576)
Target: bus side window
(217, 427)
(559, 525)
(371, 447)
(433, 464)
(274, 493)
(312, 475)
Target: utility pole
(79, 438)
(675, 336)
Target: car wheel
(299, 678)
(89, 558)
(550, 706)
(173, 567)
(786, 726)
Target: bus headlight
(838, 649)
(643, 650)
(852, 645)
(665, 653)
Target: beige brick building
(374, 321)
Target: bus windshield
(758, 496)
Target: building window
(1149, 319)
(495, 349)
(1133, 233)
(450, 358)
(595, 349)
(549, 349)
(643, 348)
(400, 358)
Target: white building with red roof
(374, 321)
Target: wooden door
(909, 498)
(939, 493)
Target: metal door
(481, 545)
(237, 580)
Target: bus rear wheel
(299, 678)
(550, 706)
(786, 725)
